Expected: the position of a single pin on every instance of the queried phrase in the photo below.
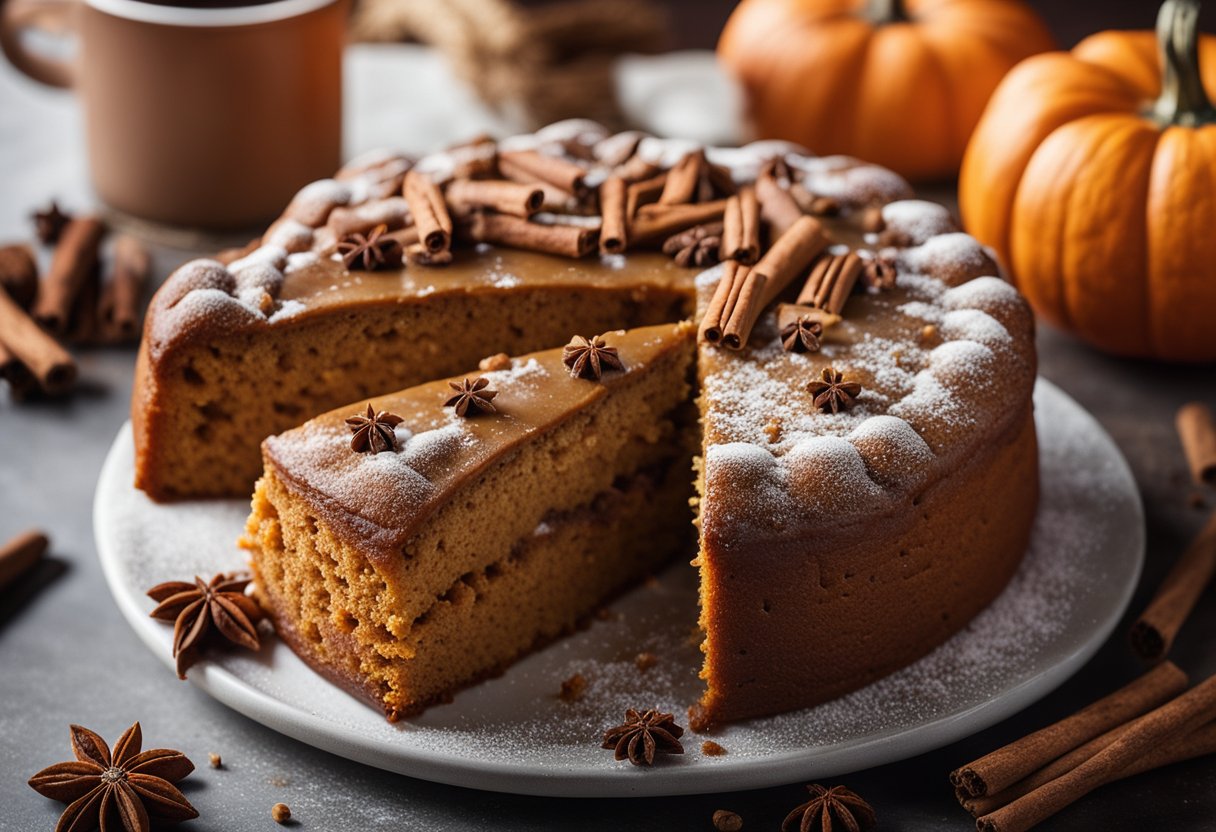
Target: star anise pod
(879, 274)
(197, 608)
(589, 357)
(125, 790)
(643, 735)
(49, 223)
(832, 393)
(374, 431)
(472, 397)
(837, 808)
(375, 250)
(698, 246)
(801, 335)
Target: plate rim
(748, 773)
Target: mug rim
(221, 17)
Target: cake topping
(643, 735)
(49, 223)
(832, 393)
(801, 334)
(472, 397)
(430, 213)
(195, 607)
(373, 432)
(572, 689)
(741, 227)
(831, 281)
(588, 357)
(828, 809)
(122, 790)
(698, 246)
(375, 250)
(879, 274)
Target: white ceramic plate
(512, 733)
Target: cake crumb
(727, 821)
(280, 813)
(493, 363)
(772, 429)
(928, 334)
(573, 688)
(645, 661)
(215, 760)
(711, 749)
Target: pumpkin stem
(880, 12)
(1183, 100)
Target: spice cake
(867, 473)
(407, 573)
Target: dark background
(698, 22)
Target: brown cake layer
(405, 575)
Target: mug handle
(13, 24)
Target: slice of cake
(413, 548)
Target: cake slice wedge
(406, 574)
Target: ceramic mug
(202, 115)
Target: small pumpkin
(901, 84)
(1093, 175)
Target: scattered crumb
(645, 661)
(711, 749)
(1196, 500)
(928, 334)
(727, 821)
(215, 760)
(280, 813)
(492, 363)
(772, 429)
(573, 688)
(278, 781)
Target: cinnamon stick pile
(73, 303)
(694, 211)
(1153, 633)
(1154, 721)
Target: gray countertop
(66, 655)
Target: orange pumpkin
(899, 84)
(1093, 175)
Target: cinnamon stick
(1200, 743)
(392, 212)
(1197, 429)
(38, 351)
(502, 229)
(20, 554)
(529, 166)
(831, 281)
(501, 195)
(430, 212)
(19, 273)
(84, 328)
(791, 254)
(644, 192)
(73, 262)
(20, 380)
(655, 223)
(1186, 713)
(1002, 768)
(636, 169)
(777, 207)
(741, 227)
(1153, 633)
(614, 231)
(683, 179)
(120, 301)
